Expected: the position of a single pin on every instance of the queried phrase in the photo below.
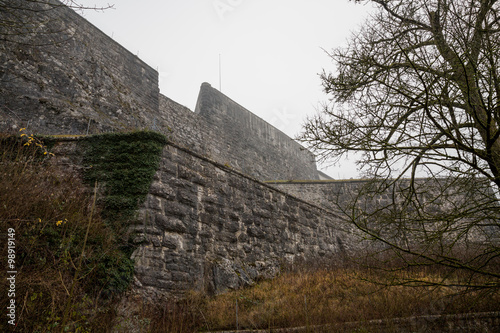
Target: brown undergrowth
(309, 296)
(49, 213)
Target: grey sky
(271, 51)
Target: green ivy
(123, 164)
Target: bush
(50, 212)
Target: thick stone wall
(325, 193)
(249, 143)
(448, 205)
(440, 195)
(186, 129)
(207, 226)
(228, 133)
(70, 78)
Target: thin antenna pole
(220, 75)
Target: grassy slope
(316, 296)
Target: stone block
(231, 226)
(226, 237)
(153, 203)
(183, 184)
(146, 229)
(247, 248)
(187, 197)
(206, 234)
(155, 240)
(210, 208)
(261, 212)
(169, 241)
(206, 218)
(170, 224)
(181, 277)
(185, 172)
(162, 190)
(167, 170)
(173, 208)
(254, 231)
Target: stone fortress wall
(209, 221)
(208, 226)
(229, 133)
(74, 79)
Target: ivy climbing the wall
(74, 255)
(123, 166)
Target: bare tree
(417, 93)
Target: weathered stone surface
(71, 78)
(228, 231)
(169, 224)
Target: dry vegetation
(309, 296)
(50, 213)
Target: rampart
(74, 79)
(229, 133)
(436, 194)
(208, 222)
(426, 205)
(207, 226)
(217, 227)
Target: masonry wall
(450, 205)
(250, 144)
(71, 78)
(186, 129)
(207, 226)
(230, 134)
(440, 195)
(328, 194)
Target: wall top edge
(81, 17)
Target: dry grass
(331, 296)
(311, 296)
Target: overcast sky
(271, 52)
